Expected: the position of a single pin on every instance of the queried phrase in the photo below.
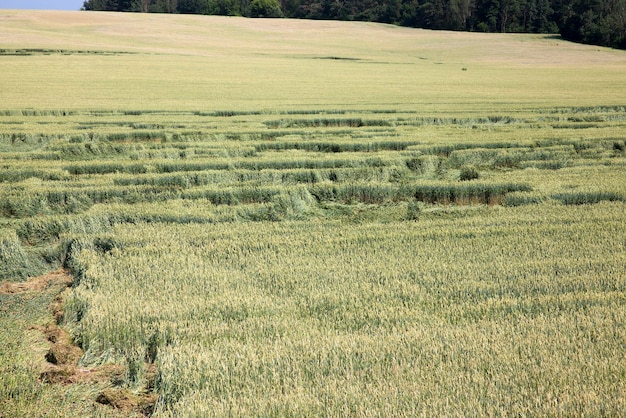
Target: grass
(287, 217)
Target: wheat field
(273, 217)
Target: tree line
(598, 22)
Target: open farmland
(298, 218)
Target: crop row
(169, 166)
(138, 158)
(16, 204)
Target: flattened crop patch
(39, 283)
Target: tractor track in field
(61, 366)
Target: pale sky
(42, 4)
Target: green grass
(434, 226)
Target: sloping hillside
(200, 62)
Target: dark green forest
(598, 22)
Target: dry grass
(219, 35)
(39, 283)
(200, 62)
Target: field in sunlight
(307, 218)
